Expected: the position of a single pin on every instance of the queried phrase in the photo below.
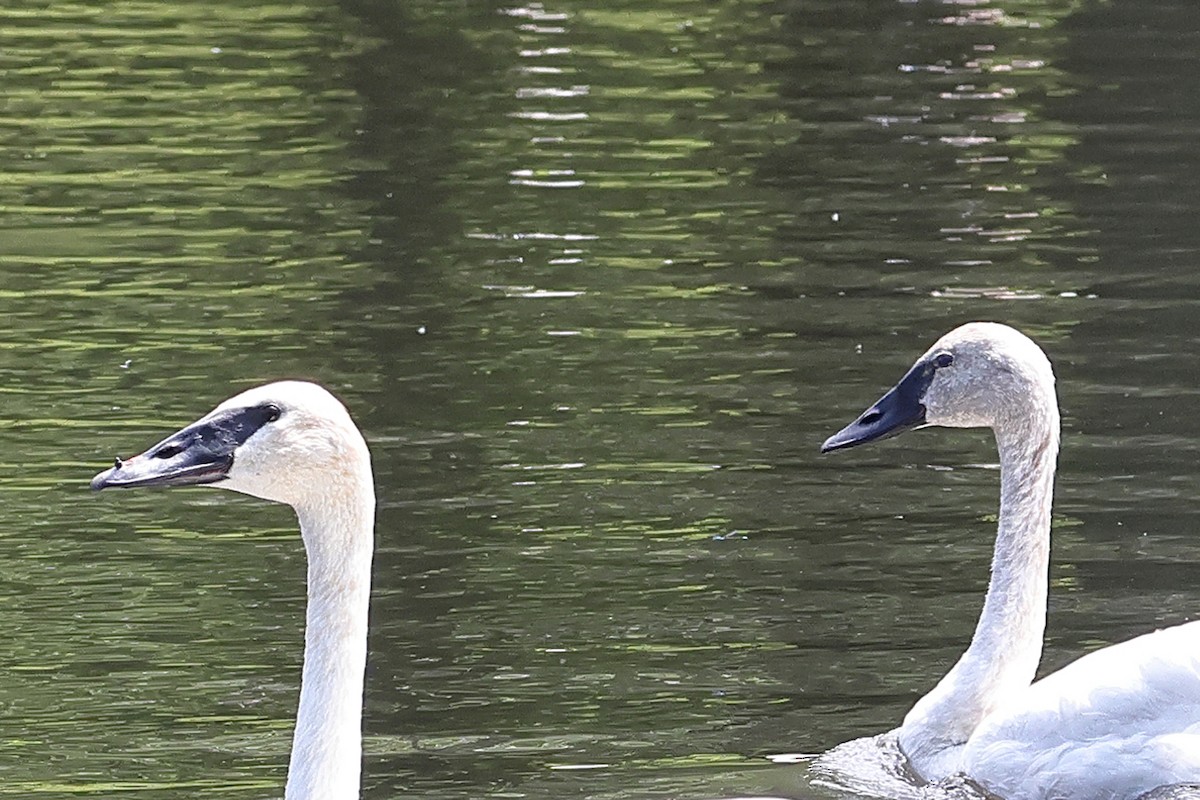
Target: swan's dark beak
(181, 460)
(201, 453)
(899, 410)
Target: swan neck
(1013, 620)
(327, 744)
(1003, 656)
(1007, 646)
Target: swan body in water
(1115, 724)
(293, 442)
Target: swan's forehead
(980, 336)
(982, 343)
(289, 395)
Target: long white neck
(327, 745)
(1004, 653)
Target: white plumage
(293, 442)
(1113, 725)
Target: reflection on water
(597, 278)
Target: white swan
(293, 442)
(1118, 722)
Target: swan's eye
(274, 412)
(170, 451)
(942, 360)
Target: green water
(596, 278)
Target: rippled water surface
(596, 279)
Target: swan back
(1115, 723)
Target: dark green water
(596, 278)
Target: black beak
(201, 453)
(899, 410)
(180, 460)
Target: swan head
(284, 441)
(979, 375)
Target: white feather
(1114, 725)
(293, 442)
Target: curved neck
(1007, 645)
(327, 744)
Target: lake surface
(596, 278)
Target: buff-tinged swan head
(979, 375)
(285, 441)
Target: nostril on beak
(118, 463)
(871, 417)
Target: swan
(293, 442)
(1116, 723)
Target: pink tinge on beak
(101, 481)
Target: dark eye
(942, 360)
(274, 412)
(169, 451)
